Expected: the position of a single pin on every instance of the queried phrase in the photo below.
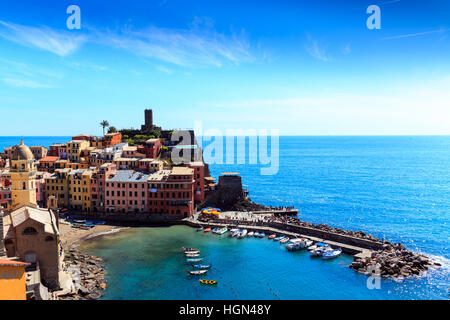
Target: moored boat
(256, 234)
(272, 236)
(222, 231)
(207, 229)
(262, 235)
(210, 282)
(199, 229)
(202, 266)
(197, 272)
(278, 238)
(286, 239)
(250, 234)
(242, 234)
(192, 255)
(331, 254)
(194, 259)
(320, 249)
(189, 249)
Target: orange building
(111, 139)
(12, 280)
(47, 164)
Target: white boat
(250, 234)
(242, 234)
(284, 240)
(332, 254)
(192, 255)
(222, 231)
(308, 243)
(320, 249)
(192, 252)
(256, 234)
(295, 244)
(197, 272)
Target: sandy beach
(73, 236)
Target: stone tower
(23, 177)
(148, 120)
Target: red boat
(272, 236)
(207, 229)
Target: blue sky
(303, 67)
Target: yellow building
(86, 190)
(58, 185)
(12, 280)
(23, 177)
(75, 189)
(74, 149)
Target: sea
(393, 187)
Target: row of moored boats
(192, 256)
(319, 249)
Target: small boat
(197, 272)
(100, 222)
(262, 235)
(190, 249)
(279, 238)
(202, 266)
(194, 259)
(297, 244)
(79, 221)
(256, 234)
(286, 239)
(320, 250)
(199, 229)
(210, 282)
(250, 234)
(235, 233)
(332, 254)
(192, 255)
(89, 225)
(207, 229)
(242, 234)
(272, 236)
(214, 230)
(308, 243)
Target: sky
(300, 67)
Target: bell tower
(23, 177)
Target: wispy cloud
(164, 69)
(409, 35)
(191, 47)
(316, 50)
(26, 83)
(61, 43)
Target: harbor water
(396, 188)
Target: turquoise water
(146, 263)
(397, 188)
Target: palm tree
(104, 124)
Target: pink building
(5, 197)
(126, 191)
(58, 150)
(98, 183)
(152, 148)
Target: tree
(112, 129)
(104, 124)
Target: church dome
(22, 152)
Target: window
(29, 231)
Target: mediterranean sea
(394, 187)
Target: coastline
(87, 271)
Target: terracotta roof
(49, 159)
(7, 262)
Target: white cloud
(316, 50)
(187, 47)
(61, 43)
(409, 35)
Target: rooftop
(182, 171)
(128, 176)
(49, 159)
(12, 263)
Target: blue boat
(79, 221)
(202, 266)
(99, 222)
(262, 235)
(89, 225)
(194, 259)
(279, 238)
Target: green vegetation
(112, 129)
(104, 124)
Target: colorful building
(12, 280)
(126, 191)
(152, 148)
(111, 139)
(74, 149)
(199, 177)
(47, 164)
(58, 150)
(39, 152)
(57, 185)
(98, 185)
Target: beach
(73, 236)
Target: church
(31, 234)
